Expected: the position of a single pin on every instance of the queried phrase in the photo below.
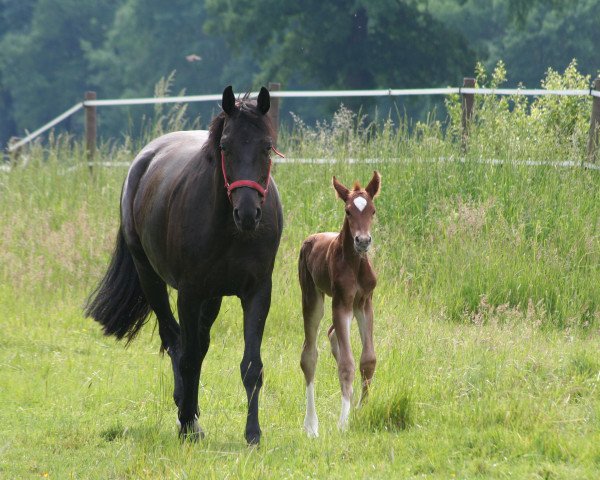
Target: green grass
(486, 330)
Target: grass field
(486, 325)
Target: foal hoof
(190, 431)
(311, 426)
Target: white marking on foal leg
(311, 422)
(345, 414)
(345, 364)
(360, 203)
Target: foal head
(360, 210)
(245, 146)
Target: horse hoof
(190, 431)
(253, 439)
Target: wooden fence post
(468, 100)
(274, 110)
(594, 139)
(90, 128)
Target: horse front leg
(342, 318)
(256, 306)
(364, 317)
(196, 318)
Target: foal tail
(118, 302)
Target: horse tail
(118, 302)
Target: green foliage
(556, 126)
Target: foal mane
(245, 107)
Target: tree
(146, 43)
(42, 66)
(551, 34)
(343, 43)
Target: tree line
(51, 51)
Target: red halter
(248, 183)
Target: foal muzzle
(362, 243)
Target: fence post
(467, 110)
(274, 110)
(594, 139)
(90, 128)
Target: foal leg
(364, 317)
(312, 311)
(155, 291)
(256, 306)
(342, 318)
(196, 318)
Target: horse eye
(223, 147)
(348, 213)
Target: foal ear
(264, 101)
(342, 191)
(374, 185)
(228, 101)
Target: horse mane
(246, 107)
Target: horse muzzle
(362, 243)
(247, 211)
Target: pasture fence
(467, 93)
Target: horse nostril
(236, 214)
(362, 240)
(258, 214)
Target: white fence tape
(330, 161)
(304, 94)
(49, 125)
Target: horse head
(360, 210)
(245, 147)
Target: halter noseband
(262, 191)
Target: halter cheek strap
(262, 191)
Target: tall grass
(486, 323)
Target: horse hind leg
(333, 342)
(312, 311)
(155, 291)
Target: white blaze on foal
(360, 203)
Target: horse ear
(264, 101)
(342, 191)
(228, 102)
(374, 185)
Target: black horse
(202, 214)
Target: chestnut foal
(336, 264)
